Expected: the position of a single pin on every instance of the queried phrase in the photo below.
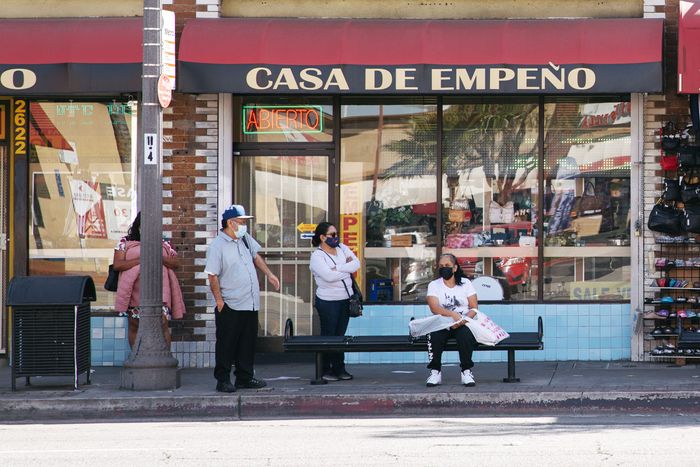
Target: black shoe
(252, 383)
(225, 387)
(329, 377)
(345, 376)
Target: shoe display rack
(672, 314)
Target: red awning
(69, 56)
(689, 47)
(250, 55)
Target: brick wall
(659, 109)
(190, 211)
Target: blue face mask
(332, 241)
(241, 230)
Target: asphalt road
(537, 441)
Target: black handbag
(690, 193)
(692, 219)
(688, 158)
(670, 138)
(355, 305)
(665, 219)
(672, 190)
(112, 282)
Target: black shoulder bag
(112, 282)
(355, 306)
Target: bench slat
(516, 341)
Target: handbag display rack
(671, 320)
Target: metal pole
(150, 365)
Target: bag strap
(245, 242)
(336, 264)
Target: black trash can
(50, 326)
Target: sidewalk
(377, 390)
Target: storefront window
(489, 194)
(81, 189)
(282, 120)
(388, 194)
(587, 200)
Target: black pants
(334, 322)
(465, 344)
(236, 335)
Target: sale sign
(117, 206)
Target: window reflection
(489, 188)
(587, 200)
(388, 186)
(81, 186)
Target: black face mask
(446, 273)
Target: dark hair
(134, 233)
(321, 229)
(459, 274)
(224, 223)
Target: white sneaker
(435, 379)
(468, 378)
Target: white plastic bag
(486, 331)
(422, 326)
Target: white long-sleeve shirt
(329, 276)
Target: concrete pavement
(377, 390)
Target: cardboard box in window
(402, 240)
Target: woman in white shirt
(332, 265)
(447, 296)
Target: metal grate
(51, 341)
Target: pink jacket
(129, 290)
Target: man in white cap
(231, 261)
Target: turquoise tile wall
(110, 346)
(571, 332)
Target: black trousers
(465, 344)
(334, 319)
(236, 335)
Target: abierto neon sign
(277, 119)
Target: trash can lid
(50, 290)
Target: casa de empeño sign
(423, 79)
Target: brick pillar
(659, 109)
(190, 211)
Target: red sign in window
(281, 119)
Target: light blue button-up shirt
(232, 262)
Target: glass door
(288, 195)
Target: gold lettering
(402, 78)
(497, 75)
(370, 79)
(464, 81)
(524, 76)
(436, 79)
(253, 75)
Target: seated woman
(446, 296)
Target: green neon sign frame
(319, 108)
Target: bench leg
(319, 370)
(511, 369)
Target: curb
(464, 404)
(254, 406)
(23, 410)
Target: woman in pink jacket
(127, 260)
